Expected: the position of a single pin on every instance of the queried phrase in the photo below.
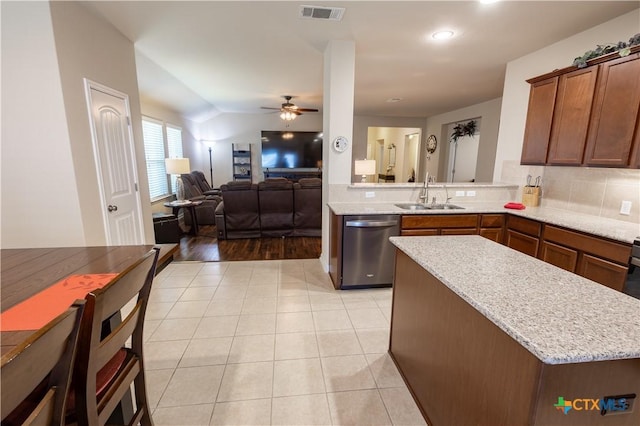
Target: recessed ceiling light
(442, 35)
(392, 100)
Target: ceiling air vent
(322, 12)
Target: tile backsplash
(596, 191)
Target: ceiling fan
(289, 111)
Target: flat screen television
(291, 150)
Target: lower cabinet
(523, 235)
(433, 224)
(600, 260)
(526, 244)
(560, 256)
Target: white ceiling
(205, 57)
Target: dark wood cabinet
(600, 260)
(586, 117)
(454, 224)
(614, 119)
(523, 235)
(537, 132)
(523, 243)
(560, 256)
(602, 271)
(571, 116)
(492, 227)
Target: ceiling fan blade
(271, 108)
(307, 109)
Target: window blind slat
(154, 154)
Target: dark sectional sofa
(273, 208)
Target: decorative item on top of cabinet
(618, 96)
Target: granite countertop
(617, 230)
(558, 316)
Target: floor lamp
(211, 167)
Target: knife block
(531, 196)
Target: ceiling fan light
(287, 115)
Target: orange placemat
(39, 309)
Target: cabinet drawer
(617, 252)
(439, 221)
(491, 220)
(523, 243)
(418, 232)
(602, 271)
(460, 231)
(526, 226)
(559, 256)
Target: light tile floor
(270, 342)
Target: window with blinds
(156, 150)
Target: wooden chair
(105, 368)
(37, 373)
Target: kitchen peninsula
(483, 334)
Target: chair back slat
(98, 346)
(48, 352)
(117, 338)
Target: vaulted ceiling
(205, 57)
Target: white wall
(438, 125)
(88, 47)
(40, 203)
(515, 95)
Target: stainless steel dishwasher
(367, 255)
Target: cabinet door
(523, 243)
(602, 271)
(571, 116)
(537, 132)
(562, 257)
(494, 234)
(615, 113)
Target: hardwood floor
(205, 247)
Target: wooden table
(25, 272)
(191, 207)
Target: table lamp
(177, 166)
(365, 167)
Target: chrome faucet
(446, 190)
(425, 190)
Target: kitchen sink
(419, 206)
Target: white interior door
(115, 161)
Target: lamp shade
(365, 167)
(177, 166)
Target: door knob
(112, 208)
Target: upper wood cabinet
(614, 119)
(537, 132)
(571, 116)
(588, 116)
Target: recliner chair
(202, 183)
(206, 212)
(275, 197)
(307, 198)
(238, 215)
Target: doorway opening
(396, 151)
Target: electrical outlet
(471, 193)
(369, 194)
(459, 193)
(625, 208)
